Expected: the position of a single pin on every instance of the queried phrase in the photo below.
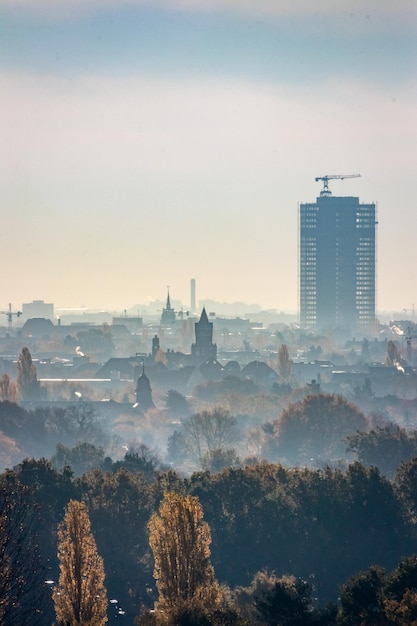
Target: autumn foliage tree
(270, 599)
(376, 598)
(80, 597)
(180, 541)
(8, 389)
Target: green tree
(217, 460)
(180, 541)
(384, 447)
(316, 428)
(177, 453)
(400, 594)
(287, 603)
(406, 485)
(192, 613)
(139, 458)
(27, 379)
(284, 601)
(176, 404)
(246, 597)
(80, 597)
(81, 458)
(403, 577)
(23, 597)
(361, 599)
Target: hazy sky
(147, 142)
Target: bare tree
(82, 418)
(284, 362)
(208, 431)
(80, 597)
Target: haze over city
(145, 143)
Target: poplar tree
(27, 379)
(180, 541)
(80, 597)
(393, 357)
(284, 362)
(8, 389)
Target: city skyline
(146, 143)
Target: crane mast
(10, 314)
(326, 191)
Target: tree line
(277, 545)
(272, 537)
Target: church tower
(168, 313)
(155, 346)
(144, 392)
(203, 348)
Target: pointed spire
(168, 313)
(204, 317)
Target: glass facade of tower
(337, 263)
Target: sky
(148, 142)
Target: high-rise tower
(337, 262)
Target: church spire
(204, 317)
(168, 313)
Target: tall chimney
(192, 302)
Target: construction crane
(10, 314)
(326, 191)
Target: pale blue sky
(145, 143)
